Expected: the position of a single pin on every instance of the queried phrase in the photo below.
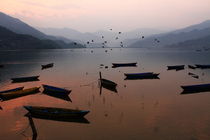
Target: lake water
(141, 109)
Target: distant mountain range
(100, 36)
(194, 36)
(189, 34)
(10, 41)
(22, 31)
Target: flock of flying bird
(116, 38)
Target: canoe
(202, 66)
(176, 67)
(52, 112)
(47, 66)
(146, 75)
(191, 67)
(115, 65)
(107, 84)
(25, 79)
(195, 88)
(55, 90)
(44, 117)
(20, 93)
(11, 90)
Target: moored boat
(176, 67)
(202, 66)
(52, 112)
(146, 75)
(195, 88)
(50, 65)
(191, 67)
(11, 90)
(25, 79)
(60, 119)
(115, 65)
(20, 93)
(55, 90)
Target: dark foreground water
(141, 109)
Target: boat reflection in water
(62, 97)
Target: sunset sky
(93, 15)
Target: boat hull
(25, 79)
(47, 66)
(20, 93)
(115, 65)
(11, 90)
(177, 67)
(195, 88)
(51, 112)
(202, 66)
(135, 76)
(55, 90)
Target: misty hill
(70, 34)
(189, 33)
(10, 40)
(109, 36)
(20, 27)
(200, 43)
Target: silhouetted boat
(20, 93)
(50, 65)
(195, 88)
(202, 66)
(25, 79)
(176, 67)
(52, 112)
(108, 84)
(11, 90)
(55, 90)
(115, 65)
(191, 67)
(48, 117)
(147, 75)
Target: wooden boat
(108, 84)
(20, 93)
(11, 90)
(176, 67)
(195, 88)
(146, 75)
(55, 90)
(48, 117)
(191, 67)
(25, 79)
(115, 65)
(50, 65)
(202, 66)
(52, 112)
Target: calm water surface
(141, 109)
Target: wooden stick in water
(32, 125)
(100, 75)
